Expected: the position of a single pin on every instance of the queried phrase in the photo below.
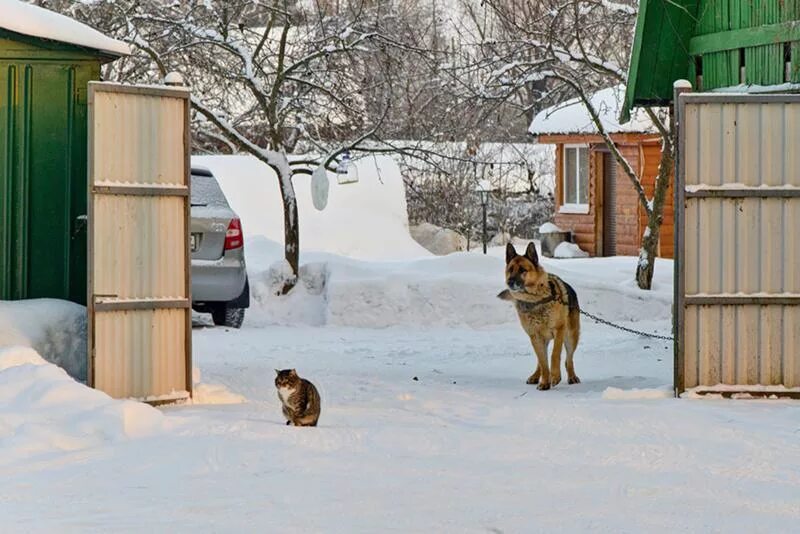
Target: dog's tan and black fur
(548, 310)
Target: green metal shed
(714, 44)
(46, 63)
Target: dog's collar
(533, 305)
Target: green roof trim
(660, 52)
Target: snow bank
(569, 250)
(56, 329)
(365, 220)
(26, 19)
(455, 290)
(43, 410)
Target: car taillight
(233, 237)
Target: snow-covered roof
(26, 19)
(572, 117)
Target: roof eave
(633, 66)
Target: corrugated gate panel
(738, 283)
(139, 287)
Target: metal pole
(484, 226)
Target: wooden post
(680, 87)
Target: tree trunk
(649, 250)
(291, 227)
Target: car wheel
(224, 316)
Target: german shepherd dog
(548, 311)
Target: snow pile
(203, 393)
(459, 289)
(26, 19)
(569, 250)
(572, 117)
(437, 240)
(42, 410)
(612, 393)
(455, 290)
(549, 228)
(365, 220)
(56, 329)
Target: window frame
(571, 207)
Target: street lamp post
(483, 189)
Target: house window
(576, 180)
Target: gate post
(679, 87)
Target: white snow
(549, 228)
(569, 250)
(54, 328)
(427, 424)
(45, 414)
(572, 117)
(27, 19)
(612, 393)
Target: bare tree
(271, 78)
(577, 47)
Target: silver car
(219, 274)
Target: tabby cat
(299, 397)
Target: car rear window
(206, 192)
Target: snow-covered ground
(427, 424)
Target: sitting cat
(299, 397)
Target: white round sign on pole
(320, 187)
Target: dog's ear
(511, 252)
(531, 254)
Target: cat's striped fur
(299, 397)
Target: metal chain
(625, 329)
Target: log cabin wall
(643, 153)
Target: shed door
(609, 205)
(139, 289)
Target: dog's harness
(554, 297)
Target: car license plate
(194, 242)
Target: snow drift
(455, 290)
(43, 410)
(55, 329)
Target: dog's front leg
(542, 373)
(555, 358)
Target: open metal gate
(139, 300)
(737, 285)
